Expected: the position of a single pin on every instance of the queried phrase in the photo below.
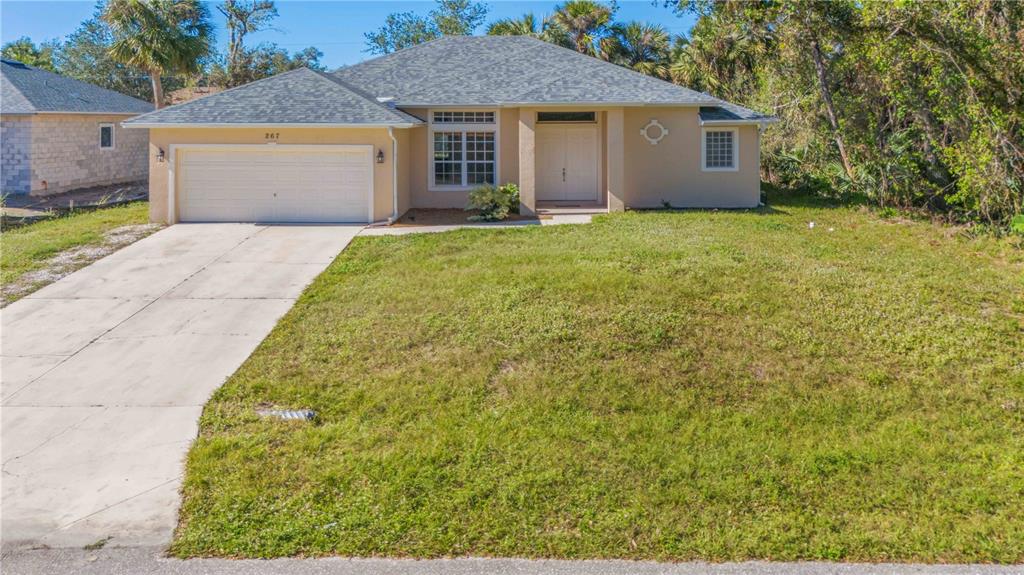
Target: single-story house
(420, 127)
(60, 134)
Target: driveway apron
(104, 373)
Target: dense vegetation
(906, 103)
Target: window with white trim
(447, 158)
(106, 136)
(460, 117)
(719, 150)
(464, 149)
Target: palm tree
(585, 21)
(524, 26)
(639, 46)
(159, 37)
(549, 30)
(717, 59)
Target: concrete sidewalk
(142, 561)
(105, 373)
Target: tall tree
(25, 51)
(523, 26)
(159, 37)
(244, 17)
(400, 31)
(814, 24)
(719, 55)
(639, 46)
(458, 17)
(85, 55)
(527, 25)
(586, 22)
(263, 61)
(404, 29)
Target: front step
(571, 209)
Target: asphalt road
(150, 561)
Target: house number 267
(272, 135)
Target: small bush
(888, 212)
(494, 203)
(1017, 224)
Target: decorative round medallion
(654, 135)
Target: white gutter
(254, 125)
(394, 176)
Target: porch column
(616, 175)
(527, 160)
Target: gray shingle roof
(726, 113)
(300, 96)
(488, 70)
(28, 90)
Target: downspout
(394, 176)
(760, 192)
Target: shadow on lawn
(776, 200)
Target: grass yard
(30, 248)
(673, 386)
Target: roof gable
(497, 70)
(300, 96)
(28, 90)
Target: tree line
(910, 104)
(146, 48)
(905, 103)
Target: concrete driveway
(103, 374)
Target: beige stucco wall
(163, 138)
(646, 176)
(671, 170)
(508, 139)
(642, 175)
(508, 159)
(404, 138)
(65, 154)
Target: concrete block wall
(15, 149)
(66, 153)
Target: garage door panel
(279, 185)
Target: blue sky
(336, 28)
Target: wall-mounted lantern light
(160, 155)
(380, 156)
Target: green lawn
(26, 249)
(693, 385)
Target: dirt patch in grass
(67, 261)
(42, 253)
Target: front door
(567, 163)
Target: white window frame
(463, 128)
(113, 136)
(704, 151)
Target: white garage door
(315, 184)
